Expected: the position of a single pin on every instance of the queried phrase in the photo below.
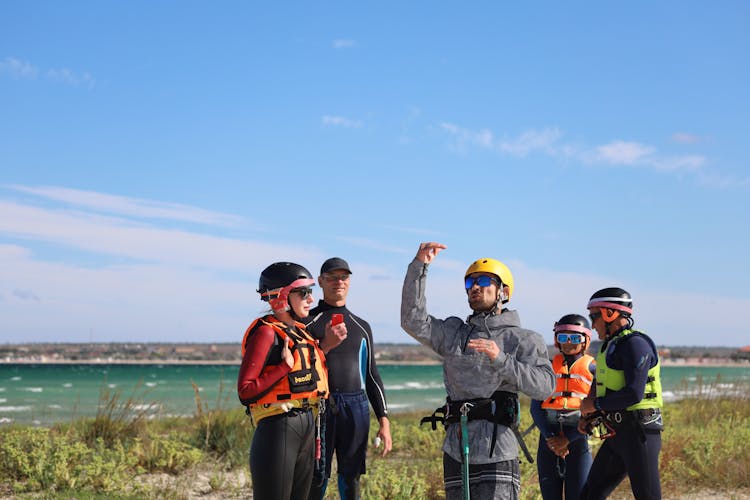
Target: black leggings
(282, 456)
(632, 452)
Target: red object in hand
(336, 319)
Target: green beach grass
(120, 453)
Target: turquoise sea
(42, 394)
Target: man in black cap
(353, 379)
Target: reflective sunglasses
(594, 316)
(336, 277)
(481, 281)
(570, 338)
(303, 292)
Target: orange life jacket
(573, 383)
(304, 385)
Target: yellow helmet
(495, 267)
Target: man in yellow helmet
(487, 360)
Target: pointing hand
(428, 251)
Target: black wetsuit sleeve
(373, 382)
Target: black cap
(334, 263)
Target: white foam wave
(111, 386)
(33, 389)
(15, 379)
(714, 391)
(3, 400)
(2, 389)
(142, 407)
(6, 420)
(669, 396)
(419, 386)
(67, 385)
(150, 384)
(398, 406)
(15, 408)
(54, 407)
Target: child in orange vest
(564, 457)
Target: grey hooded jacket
(522, 365)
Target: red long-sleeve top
(252, 381)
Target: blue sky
(154, 158)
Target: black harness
(502, 408)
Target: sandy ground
(210, 484)
(197, 484)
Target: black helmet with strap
(280, 278)
(612, 303)
(613, 298)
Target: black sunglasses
(303, 292)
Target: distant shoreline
(174, 362)
(686, 362)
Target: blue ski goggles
(481, 281)
(570, 338)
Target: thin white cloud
(340, 121)
(548, 141)
(70, 77)
(527, 142)
(135, 207)
(690, 162)
(110, 236)
(465, 137)
(343, 43)
(624, 153)
(18, 69)
(636, 154)
(531, 140)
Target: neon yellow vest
(609, 379)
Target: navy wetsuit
(353, 379)
(634, 450)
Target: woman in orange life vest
(564, 457)
(282, 381)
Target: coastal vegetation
(121, 453)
